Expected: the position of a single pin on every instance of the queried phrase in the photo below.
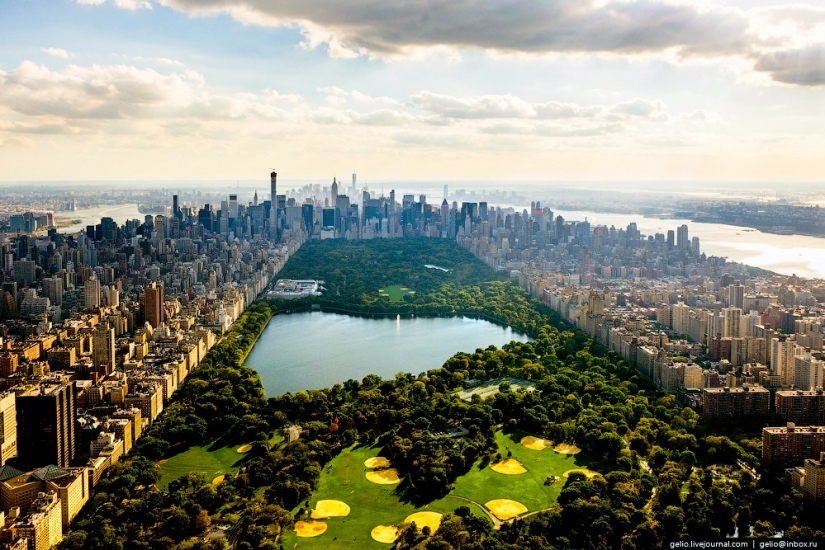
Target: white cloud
(90, 2)
(133, 4)
(56, 52)
(485, 106)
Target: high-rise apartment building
(46, 425)
(735, 402)
(682, 241)
(91, 293)
(790, 445)
(103, 348)
(8, 427)
(801, 407)
(153, 304)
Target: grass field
(371, 505)
(210, 462)
(482, 484)
(395, 293)
(344, 479)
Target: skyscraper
(153, 304)
(103, 348)
(91, 293)
(682, 241)
(45, 425)
(273, 197)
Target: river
(91, 216)
(301, 351)
(785, 254)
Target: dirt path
(496, 522)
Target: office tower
(233, 207)
(103, 348)
(24, 270)
(682, 241)
(671, 239)
(153, 304)
(8, 427)
(91, 293)
(333, 194)
(45, 425)
(354, 180)
(695, 246)
(53, 290)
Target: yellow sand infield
(421, 519)
(307, 529)
(505, 509)
(384, 477)
(536, 443)
(329, 508)
(585, 471)
(244, 448)
(160, 462)
(509, 466)
(377, 462)
(218, 480)
(566, 449)
(385, 534)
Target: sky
(477, 90)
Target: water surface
(313, 350)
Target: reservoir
(314, 350)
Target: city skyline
(558, 91)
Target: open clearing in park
(482, 484)
(211, 462)
(371, 505)
(395, 293)
(376, 509)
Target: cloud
(381, 28)
(56, 52)
(107, 92)
(338, 96)
(801, 66)
(484, 106)
(675, 30)
(510, 107)
(122, 4)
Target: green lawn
(211, 463)
(482, 484)
(371, 505)
(395, 293)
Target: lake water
(314, 350)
